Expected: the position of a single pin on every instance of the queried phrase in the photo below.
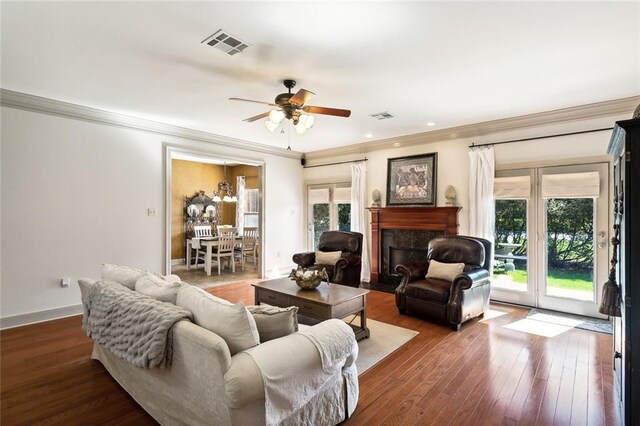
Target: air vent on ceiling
(384, 115)
(229, 44)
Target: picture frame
(411, 181)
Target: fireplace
(402, 234)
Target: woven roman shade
(571, 185)
(515, 187)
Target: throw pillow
(327, 257)
(85, 285)
(156, 287)
(172, 278)
(274, 322)
(232, 322)
(444, 271)
(125, 275)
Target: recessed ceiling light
(431, 124)
(368, 135)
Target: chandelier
(226, 188)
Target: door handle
(602, 245)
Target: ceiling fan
(292, 107)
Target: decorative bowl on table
(308, 279)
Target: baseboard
(175, 262)
(40, 316)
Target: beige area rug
(385, 338)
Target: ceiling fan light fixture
(309, 121)
(300, 128)
(276, 116)
(271, 126)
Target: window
(251, 207)
(329, 209)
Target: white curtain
(481, 206)
(240, 204)
(359, 214)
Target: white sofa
(205, 385)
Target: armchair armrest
(412, 271)
(305, 259)
(349, 260)
(470, 279)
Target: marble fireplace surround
(401, 234)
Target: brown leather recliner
(466, 297)
(347, 269)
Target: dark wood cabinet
(625, 149)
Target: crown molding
(24, 101)
(564, 115)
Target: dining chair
(249, 245)
(200, 231)
(224, 248)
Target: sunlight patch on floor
(540, 328)
(493, 313)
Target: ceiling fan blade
(257, 117)
(327, 111)
(301, 97)
(251, 100)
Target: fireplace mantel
(444, 219)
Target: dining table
(209, 243)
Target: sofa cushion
(125, 275)
(172, 278)
(430, 289)
(232, 322)
(444, 271)
(156, 287)
(327, 257)
(274, 322)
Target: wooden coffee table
(325, 302)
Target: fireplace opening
(403, 255)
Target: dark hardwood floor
(483, 374)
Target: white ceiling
(449, 63)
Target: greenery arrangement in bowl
(308, 279)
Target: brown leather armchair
(466, 297)
(347, 269)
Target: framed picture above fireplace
(411, 181)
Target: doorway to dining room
(208, 198)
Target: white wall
(453, 158)
(75, 194)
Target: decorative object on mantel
(226, 188)
(375, 197)
(411, 181)
(291, 106)
(308, 279)
(450, 195)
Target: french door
(328, 209)
(551, 235)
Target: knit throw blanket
(133, 326)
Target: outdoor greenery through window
(510, 261)
(570, 248)
(569, 242)
(329, 209)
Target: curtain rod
(333, 164)
(473, 145)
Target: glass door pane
(573, 223)
(510, 258)
(570, 248)
(320, 221)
